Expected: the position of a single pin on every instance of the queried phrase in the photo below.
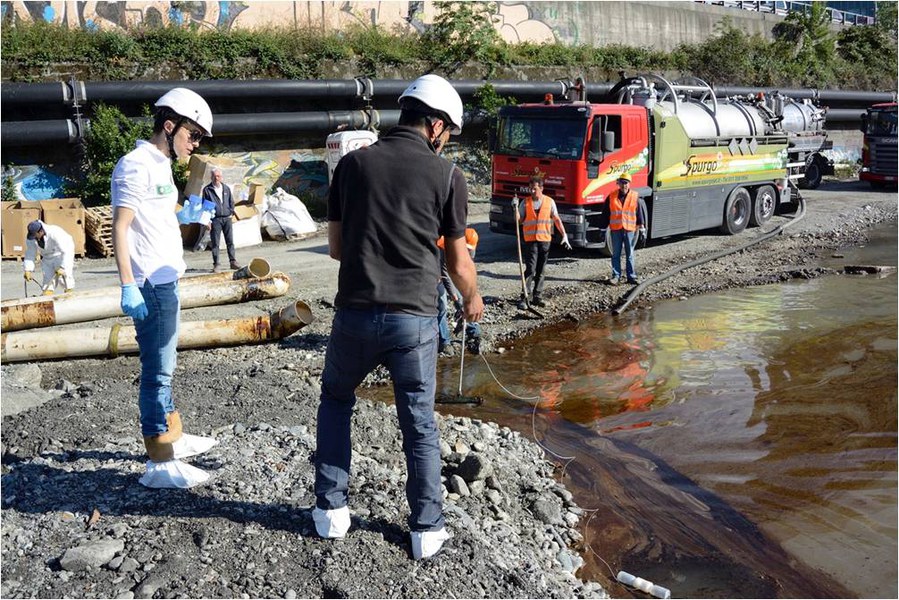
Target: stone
(474, 467)
(148, 586)
(547, 511)
(457, 485)
(91, 554)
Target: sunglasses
(194, 135)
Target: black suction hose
(636, 291)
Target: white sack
(285, 217)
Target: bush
(111, 136)
(805, 52)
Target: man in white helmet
(388, 204)
(149, 256)
(57, 250)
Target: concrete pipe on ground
(102, 303)
(121, 339)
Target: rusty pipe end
(291, 319)
(256, 268)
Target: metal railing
(782, 7)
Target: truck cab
(879, 150)
(580, 149)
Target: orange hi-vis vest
(537, 227)
(623, 216)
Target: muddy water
(741, 444)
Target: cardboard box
(245, 211)
(200, 175)
(14, 220)
(257, 193)
(67, 213)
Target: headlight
(496, 208)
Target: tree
(806, 38)
(463, 32)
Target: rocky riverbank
(76, 523)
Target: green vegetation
(805, 52)
(8, 189)
(111, 136)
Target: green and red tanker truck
(697, 162)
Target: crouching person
(57, 250)
(149, 256)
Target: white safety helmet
(439, 94)
(188, 104)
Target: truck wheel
(606, 251)
(763, 205)
(813, 174)
(736, 211)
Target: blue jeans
(445, 336)
(157, 338)
(407, 345)
(622, 238)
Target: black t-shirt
(393, 200)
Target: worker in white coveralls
(150, 259)
(57, 250)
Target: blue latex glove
(133, 303)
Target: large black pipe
(32, 133)
(28, 133)
(13, 94)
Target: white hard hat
(439, 94)
(189, 104)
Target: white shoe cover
(172, 474)
(191, 445)
(331, 524)
(426, 544)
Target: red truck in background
(879, 151)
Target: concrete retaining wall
(660, 25)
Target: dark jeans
(407, 345)
(535, 257)
(221, 225)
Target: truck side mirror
(491, 135)
(608, 141)
(864, 126)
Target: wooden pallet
(98, 227)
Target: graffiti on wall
(516, 21)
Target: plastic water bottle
(643, 585)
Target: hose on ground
(636, 291)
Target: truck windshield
(551, 138)
(882, 122)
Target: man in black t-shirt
(388, 204)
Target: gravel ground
(75, 522)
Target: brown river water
(740, 444)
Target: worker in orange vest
(446, 293)
(624, 221)
(537, 215)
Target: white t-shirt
(142, 181)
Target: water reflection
(735, 445)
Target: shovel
(459, 397)
(524, 287)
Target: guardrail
(781, 7)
